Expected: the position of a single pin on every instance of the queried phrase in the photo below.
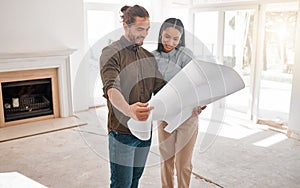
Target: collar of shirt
(128, 44)
(169, 54)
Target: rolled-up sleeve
(109, 69)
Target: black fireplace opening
(27, 99)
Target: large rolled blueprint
(199, 83)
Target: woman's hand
(198, 110)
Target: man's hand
(198, 110)
(140, 111)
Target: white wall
(43, 25)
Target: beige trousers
(176, 149)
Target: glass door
(101, 20)
(237, 54)
(206, 34)
(97, 26)
(277, 62)
(258, 41)
(228, 35)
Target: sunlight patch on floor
(274, 139)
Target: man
(130, 75)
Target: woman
(176, 148)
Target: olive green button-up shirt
(133, 71)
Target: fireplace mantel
(59, 59)
(31, 55)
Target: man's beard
(136, 40)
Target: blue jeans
(127, 155)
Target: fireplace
(27, 99)
(35, 86)
(29, 95)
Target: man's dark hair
(175, 23)
(129, 13)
